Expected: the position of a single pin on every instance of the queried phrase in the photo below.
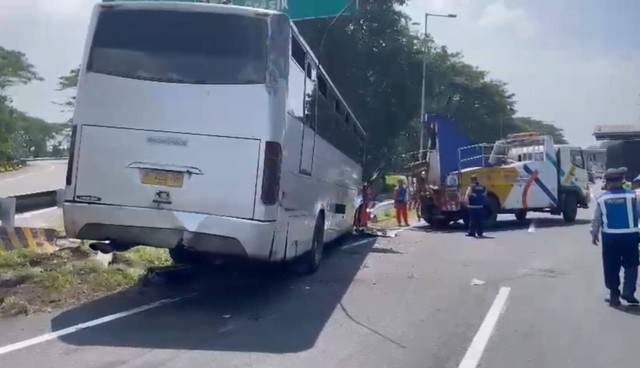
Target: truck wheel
(309, 262)
(570, 207)
(521, 215)
(491, 209)
(438, 223)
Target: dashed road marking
(479, 342)
(82, 326)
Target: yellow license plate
(163, 178)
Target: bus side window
(297, 52)
(322, 85)
(311, 95)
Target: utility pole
(424, 78)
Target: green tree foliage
(533, 125)
(375, 60)
(69, 82)
(20, 134)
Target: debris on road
(476, 282)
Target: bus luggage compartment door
(168, 171)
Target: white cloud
(498, 15)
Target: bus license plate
(163, 178)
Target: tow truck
(523, 173)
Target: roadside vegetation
(33, 282)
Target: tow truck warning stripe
(542, 186)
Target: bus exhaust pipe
(110, 247)
(102, 247)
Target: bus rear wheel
(309, 262)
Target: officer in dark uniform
(476, 194)
(616, 217)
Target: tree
(33, 136)
(376, 63)
(15, 69)
(533, 125)
(69, 82)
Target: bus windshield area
(180, 47)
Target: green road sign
(304, 9)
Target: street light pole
(424, 78)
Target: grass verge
(34, 282)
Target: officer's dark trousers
(620, 250)
(476, 217)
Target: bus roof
(187, 6)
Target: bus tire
(182, 256)
(308, 263)
(570, 207)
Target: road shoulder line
(69, 330)
(480, 340)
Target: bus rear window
(180, 47)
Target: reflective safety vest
(401, 195)
(477, 200)
(619, 212)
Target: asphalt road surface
(406, 301)
(37, 176)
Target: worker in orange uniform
(400, 199)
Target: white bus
(209, 128)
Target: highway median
(36, 282)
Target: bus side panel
(337, 180)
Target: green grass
(32, 281)
(13, 306)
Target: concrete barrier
(35, 239)
(10, 206)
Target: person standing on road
(475, 196)
(400, 199)
(616, 218)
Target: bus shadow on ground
(506, 225)
(258, 309)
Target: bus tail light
(72, 148)
(271, 173)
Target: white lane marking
(479, 343)
(82, 326)
(532, 227)
(35, 213)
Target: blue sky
(575, 62)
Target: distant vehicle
(209, 129)
(592, 177)
(623, 148)
(523, 173)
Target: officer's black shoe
(613, 301)
(631, 299)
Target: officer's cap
(614, 174)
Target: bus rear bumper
(167, 229)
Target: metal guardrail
(10, 206)
(44, 159)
